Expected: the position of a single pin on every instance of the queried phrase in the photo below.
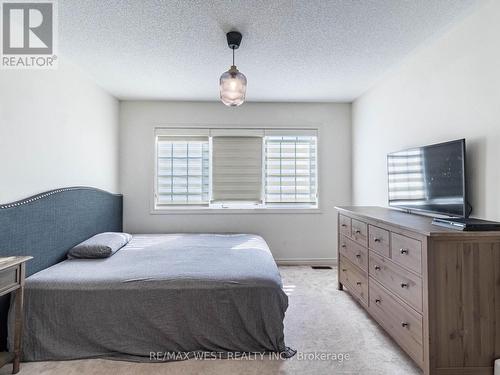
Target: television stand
(467, 224)
(435, 290)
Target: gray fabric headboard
(47, 225)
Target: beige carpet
(320, 320)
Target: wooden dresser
(435, 290)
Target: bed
(183, 293)
(161, 297)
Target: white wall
(448, 89)
(57, 128)
(290, 236)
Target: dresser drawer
(407, 252)
(395, 278)
(353, 251)
(354, 279)
(9, 278)
(402, 323)
(359, 232)
(345, 225)
(378, 240)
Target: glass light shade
(233, 87)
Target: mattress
(178, 293)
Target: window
(182, 171)
(235, 168)
(291, 169)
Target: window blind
(182, 170)
(236, 169)
(291, 169)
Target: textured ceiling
(302, 50)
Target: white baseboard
(307, 262)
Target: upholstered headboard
(47, 225)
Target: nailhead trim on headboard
(47, 224)
(46, 194)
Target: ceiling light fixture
(233, 84)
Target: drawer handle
(344, 225)
(404, 251)
(377, 268)
(357, 231)
(358, 256)
(405, 324)
(405, 285)
(378, 301)
(344, 269)
(343, 245)
(358, 282)
(377, 239)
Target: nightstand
(12, 274)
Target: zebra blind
(236, 169)
(406, 175)
(182, 170)
(291, 169)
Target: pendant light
(233, 84)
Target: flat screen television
(429, 178)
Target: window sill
(234, 211)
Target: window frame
(237, 207)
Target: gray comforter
(186, 293)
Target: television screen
(429, 178)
